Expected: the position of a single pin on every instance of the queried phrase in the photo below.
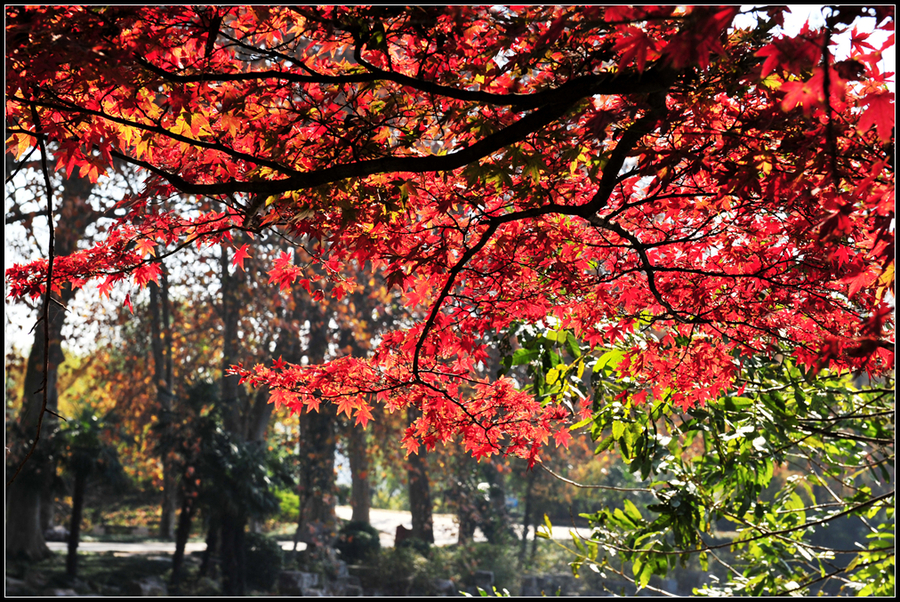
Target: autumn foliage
(654, 180)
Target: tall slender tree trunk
(526, 517)
(360, 498)
(161, 347)
(182, 534)
(419, 490)
(75, 523)
(317, 521)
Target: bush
(263, 561)
(288, 505)
(357, 541)
(419, 545)
(402, 570)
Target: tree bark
(161, 347)
(233, 557)
(526, 518)
(419, 490)
(317, 522)
(317, 449)
(360, 494)
(182, 534)
(75, 523)
(26, 494)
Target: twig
(608, 487)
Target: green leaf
(572, 345)
(524, 356)
(609, 360)
(632, 511)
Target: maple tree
(726, 192)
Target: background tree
(86, 454)
(81, 205)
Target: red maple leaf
(240, 255)
(879, 113)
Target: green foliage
(357, 541)
(481, 592)
(401, 570)
(785, 483)
(237, 478)
(419, 545)
(263, 561)
(288, 505)
(789, 454)
(85, 451)
(500, 559)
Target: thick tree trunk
(24, 538)
(360, 495)
(209, 562)
(25, 496)
(231, 315)
(75, 523)
(497, 526)
(419, 491)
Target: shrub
(357, 541)
(419, 545)
(288, 505)
(263, 561)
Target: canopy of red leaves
(603, 167)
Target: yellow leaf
(23, 143)
(885, 282)
(552, 376)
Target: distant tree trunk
(233, 557)
(419, 490)
(526, 518)
(75, 523)
(317, 449)
(497, 526)
(210, 554)
(360, 498)
(230, 345)
(232, 523)
(161, 347)
(467, 514)
(182, 534)
(317, 523)
(260, 414)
